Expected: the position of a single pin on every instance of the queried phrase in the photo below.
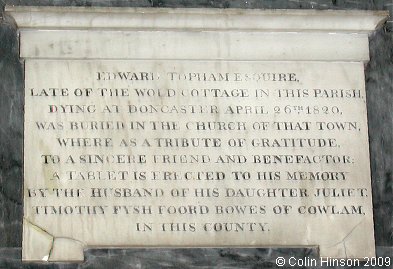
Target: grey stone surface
(180, 259)
(379, 85)
(11, 136)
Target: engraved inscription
(192, 153)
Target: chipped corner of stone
(39, 245)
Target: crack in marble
(42, 230)
(37, 227)
(53, 239)
(345, 238)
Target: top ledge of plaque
(335, 21)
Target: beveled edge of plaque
(276, 20)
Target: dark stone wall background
(379, 85)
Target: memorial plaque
(215, 129)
